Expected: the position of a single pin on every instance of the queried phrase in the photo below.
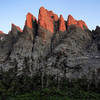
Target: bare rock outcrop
(30, 27)
(79, 23)
(62, 26)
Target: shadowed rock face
(14, 27)
(79, 23)
(96, 31)
(70, 53)
(96, 36)
(15, 31)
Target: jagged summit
(45, 19)
(62, 26)
(16, 27)
(51, 22)
(29, 20)
(79, 23)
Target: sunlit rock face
(52, 15)
(62, 26)
(29, 20)
(45, 20)
(30, 27)
(79, 23)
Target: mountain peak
(62, 26)
(49, 21)
(29, 20)
(78, 23)
(46, 19)
(17, 27)
(82, 24)
(71, 20)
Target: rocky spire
(17, 28)
(29, 20)
(30, 26)
(78, 23)
(62, 26)
(46, 19)
(71, 21)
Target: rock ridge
(78, 23)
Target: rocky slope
(51, 46)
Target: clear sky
(14, 11)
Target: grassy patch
(56, 94)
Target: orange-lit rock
(30, 28)
(62, 26)
(29, 20)
(1, 32)
(81, 24)
(72, 21)
(52, 15)
(17, 27)
(46, 19)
